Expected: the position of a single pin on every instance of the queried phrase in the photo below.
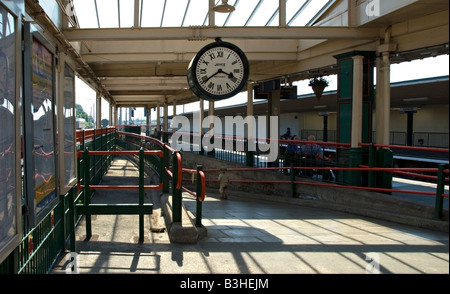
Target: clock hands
(230, 75)
(217, 72)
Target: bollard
(292, 180)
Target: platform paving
(248, 236)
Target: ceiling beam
(143, 80)
(186, 47)
(134, 87)
(175, 57)
(204, 32)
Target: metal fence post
(439, 191)
(198, 211)
(371, 182)
(72, 230)
(176, 192)
(292, 180)
(141, 193)
(87, 194)
(165, 164)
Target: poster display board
(10, 191)
(40, 132)
(43, 126)
(68, 160)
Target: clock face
(218, 71)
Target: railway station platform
(78, 89)
(246, 235)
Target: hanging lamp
(224, 7)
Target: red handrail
(442, 150)
(152, 152)
(141, 137)
(100, 152)
(398, 170)
(179, 171)
(201, 198)
(122, 187)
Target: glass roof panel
(126, 13)
(310, 11)
(86, 14)
(177, 13)
(244, 8)
(108, 13)
(196, 13)
(151, 13)
(265, 11)
(174, 13)
(292, 7)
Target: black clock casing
(218, 71)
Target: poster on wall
(43, 126)
(9, 169)
(69, 128)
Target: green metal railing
(42, 245)
(87, 208)
(170, 170)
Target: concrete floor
(248, 236)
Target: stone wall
(356, 201)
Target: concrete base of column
(184, 232)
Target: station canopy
(136, 52)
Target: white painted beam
(143, 80)
(203, 32)
(133, 87)
(176, 57)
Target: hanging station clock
(218, 71)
